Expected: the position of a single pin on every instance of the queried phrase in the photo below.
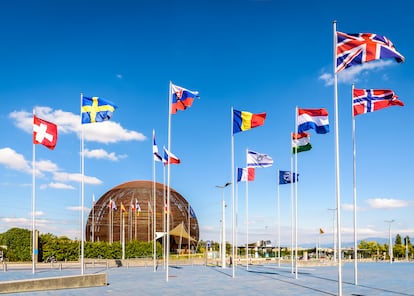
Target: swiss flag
(44, 132)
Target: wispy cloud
(57, 186)
(350, 207)
(102, 154)
(67, 122)
(353, 74)
(387, 203)
(75, 177)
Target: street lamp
(389, 237)
(223, 225)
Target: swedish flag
(95, 109)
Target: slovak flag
(44, 132)
(181, 98)
(170, 158)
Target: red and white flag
(44, 132)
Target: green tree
(18, 243)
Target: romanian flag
(243, 121)
(95, 109)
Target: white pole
(296, 200)
(278, 217)
(123, 234)
(338, 191)
(232, 193)
(333, 233)
(355, 194)
(291, 216)
(93, 217)
(155, 211)
(223, 231)
(168, 183)
(34, 251)
(82, 195)
(247, 221)
(390, 252)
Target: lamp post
(334, 232)
(389, 237)
(223, 226)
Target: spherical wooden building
(127, 210)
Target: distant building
(136, 202)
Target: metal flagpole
(93, 217)
(291, 213)
(232, 192)
(247, 216)
(155, 209)
(278, 218)
(355, 195)
(82, 194)
(168, 182)
(33, 205)
(296, 200)
(338, 192)
(189, 230)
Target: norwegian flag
(44, 132)
(355, 49)
(370, 100)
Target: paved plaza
(260, 279)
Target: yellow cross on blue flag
(95, 109)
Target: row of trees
(400, 249)
(16, 245)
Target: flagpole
(338, 193)
(164, 221)
(247, 216)
(296, 200)
(123, 232)
(189, 231)
(291, 214)
(82, 192)
(168, 182)
(33, 204)
(93, 217)
(155, 209)
(355, 196)
(278, 218)
(236, 221)
(232, 192)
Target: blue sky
(256, 56)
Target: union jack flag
(370, 100)
(355, 49)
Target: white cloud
(387, 203)
(67, 122)
(351, 75)
(102, 154)
(350, 207)
(14, 160)
(46, 166)
(78, 209)
(61, 186)
(75, 177)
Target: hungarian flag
(44, 132)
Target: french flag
(245, 174)
(316, 119)
(170, 158)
